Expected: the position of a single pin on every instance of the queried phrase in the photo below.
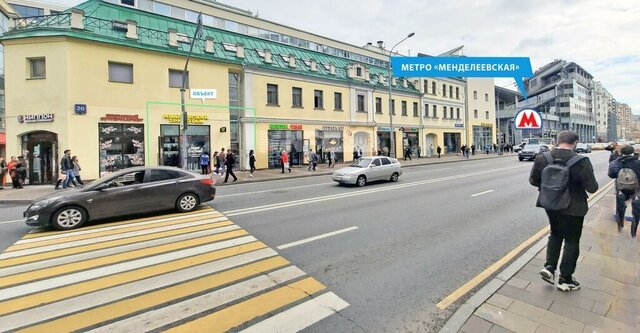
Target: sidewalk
(30, 192)
(608, 300)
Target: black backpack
(554, 183)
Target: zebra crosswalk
(194, 272)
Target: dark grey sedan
(131, 191)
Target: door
(361, 139)
(123, 198)
(376, 170)
(160, 190)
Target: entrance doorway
(361, 140)
(40, 150)
(431, 144)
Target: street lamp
(392, 133)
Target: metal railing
(62, 20)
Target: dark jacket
(231, 160)
(252, 161)
(66, 163)
(581, 179)
(630, 162)
(614, 156)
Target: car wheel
(362, 181)
(70, 217)
(394, 177)
(187, 202)
(520, 158)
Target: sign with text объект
(203, 94)
(515, 67)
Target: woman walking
(13, 172)
(76, 170)
(252, 163)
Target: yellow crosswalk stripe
(102, 261)
(122, 308)
(133, 227)
(49, 296)
(40, 233)
(109, 244)
(228, 318)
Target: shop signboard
(121, 117)
(384, 129)
(333, 128)
(284, 127)
(191, 119)
(35, 118)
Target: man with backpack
(625, 171)
(563, 177)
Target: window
(457, 113)
(131, 3)
(37, 68)
(457, 92)
(272, 94)
(121, 146)
(451, 91)
(385, 161)
(337, 100)
(358, 72)
(361, 104)
(136, 177)
(435, 111)
(161, 8)
(444, 90)
(415, 109)
(426, 110)
(433, 87)
(426, 86)
(160, 175)
(475, 114)
(178, 13)
(379, 105)
(317, 99)
(119, 72)
(26, 11)
(451, 112)
(404, 107)
(486, 97)
(296, 97)
(444, 112)
(393, 107)
(175, 79)
(475, 94)
(487, 114)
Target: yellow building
(103, 80)
(481, 106)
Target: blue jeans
(70, 176)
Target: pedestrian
(12, 168)
(439, 151)
(463, 149)
(222, 157)
(21, 168)
(473, 149)
(328, 158)
(314, 160)
(284, 156)
(355, 153)
(252, 163)
(495, 148)
(333, 158)
(76, 171)
(466, 152)
(487, 148)
(407, 153)
(360, 154)
(204, 163)
(430, 152)
(3, 171)
(418, 151)
(216, 162)
(229, 162)
(67, 168)
(625, 170)
(614, 148)
(565, 204)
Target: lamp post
(183, 137)
(392, 133)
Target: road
(400, 247)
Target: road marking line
(122, 285)
(93, 316)
(129, 235)
(235, 315)
(157, 318)
(222, 234)
(300, 316)
(68, 279)
(267, 191)
(311, 239)
(464, 289)
(13, 221)
(481, 193)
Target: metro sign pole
(528, 119)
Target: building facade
(6, 14)
(481, 109)
(602, 102)
(506, 109)
(624, 115)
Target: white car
(367, 169)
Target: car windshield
(361, 163)
(532, 147)
(581, 145)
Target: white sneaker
(250, 175)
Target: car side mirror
(101, 187)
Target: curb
(466, 310)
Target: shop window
(317, 99)
(121, 146)
(175, 79)
(379, 105)
(272, 94)
(198, 141)
(337, 100)
(296, 97)
(119, 72)
(37, 68)
(361, 107)
(415, 109)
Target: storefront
(330, 138)
(410, 137)
(384, 141)
(121, 145)
(288, 137)
(483, 135)
(198, 138)
(452, 142)
(39, 149)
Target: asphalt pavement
(391, 250)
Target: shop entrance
(285, 139)
(452, 142)
(40, 150)
(198, 141)
(361, 140)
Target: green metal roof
(153, 35)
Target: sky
(601, 36)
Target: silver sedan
(367, 169)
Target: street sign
(528, 119)
(80, 108)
